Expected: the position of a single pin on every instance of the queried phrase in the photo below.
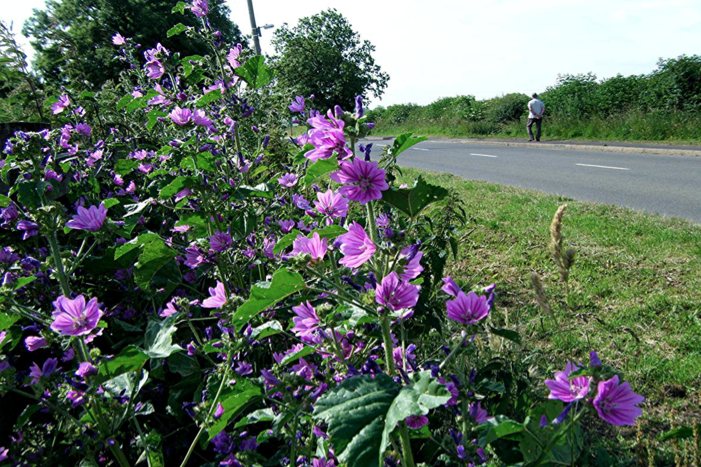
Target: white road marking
(420, 149)
(602, 167)
(482, 155)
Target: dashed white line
(602, 166)
(419, 149)
(482, 155)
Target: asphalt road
(658, 184)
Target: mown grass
(670, 128)
(634, 292)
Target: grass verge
(634, 292)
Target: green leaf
(156, 268)
(87, 95)
(138, 103)
(682, 432)
(124, 101)
(424, 394)
(255, 72)
(188, 67)
(404, 142)
(208, 98)
(153, 118)
(158, 339)
(266, 330)
(22, 281)
(135, 243)
(179, 8)
(124, 166)
(508, 334)
(111, 202)
(176, 30)
(319, 168)
(176, 185)
(266, 294)
(7, 320)
(4, 201)
(233, 400)
(355, 411)
(412, 201)
(205, 161)
(306, 350)
(261, 415)
(131, 358)
(263, 190)
(497, 428)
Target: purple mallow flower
(356, 246)
(180, 116)
(46, 369)
(286, 225)
(362, 181)
(35, 343)
(450, 287)
(416, 422)
(297, 105)
(478, 414)
(467, 309)
(118, 39)
(331, 203)
(396, 294)
(306, 322)
(90, 219)
(217, 297)
(219, 411)
(220, 241)
(200, 118)
(61, 105)
(200, 8)
(412, 268)
(29, 228)
(75, 317)
(86, 369)
(154, 69)
(566, 389)
(288, 180)
(315, 246)
(617, 403)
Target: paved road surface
(658, 184)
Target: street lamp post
(255, 30)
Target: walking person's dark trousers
(529, 126)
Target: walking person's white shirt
(536, 108)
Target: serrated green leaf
(22, 281)
(266, 294)
(124, 101)
(177, 185)
(266, 330)
(411, 201)
(233, 400)
(4, 201)
(7, 320)
(176, 30)
(404, 142)
(208, 98)
(355, 411)
(188, 67)
(255, 72)
(153, 118)
(319, 168)
(179, 8)
(158, 339)
(138, 103)
(131, 358)
(424, 394)
(124, 166)
(157, 268)
(135, 243)
(498, 427)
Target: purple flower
(356, 246)
(244, 368)
(201, 119)
(7, 256)
(86, 369)
(450, 287)
(4, 452)
(467, 309)
(363, 181)
(90, 219)
(287, 225)
(416, 422)
(10, 213)
(396, 294)
(233, 55)
(75, 317)
(180, 116)
(298, 105)
(199, 8)
(359, 106)
(219, 412)
(270, 380)
(118, 39)
(478, 414)
(217, 297)
(83, 129)
(594, 359)
(413, 267)
(315, 246)
(154, 69)
(46, 369)
(220, 241)
(323, 462)
(306, 322)
(60, 106)
(566, 389)
(30, 229)
(194, 257)
(35, 343)
(331, 203)
(616, 403)
(288, 180)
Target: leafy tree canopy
(73, 38)
(324, 56)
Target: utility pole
(254, 29)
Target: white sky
(439, 48)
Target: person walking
(536, 109)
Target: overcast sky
(486, 48)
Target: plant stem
(372, 225)
(408, 457)
(60, 272)
(453, 352)
(387, 339)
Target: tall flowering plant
(185, 288)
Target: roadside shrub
(508, 108)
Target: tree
(73, 38)
(324, 56)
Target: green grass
(669, 128)
(634, 289)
